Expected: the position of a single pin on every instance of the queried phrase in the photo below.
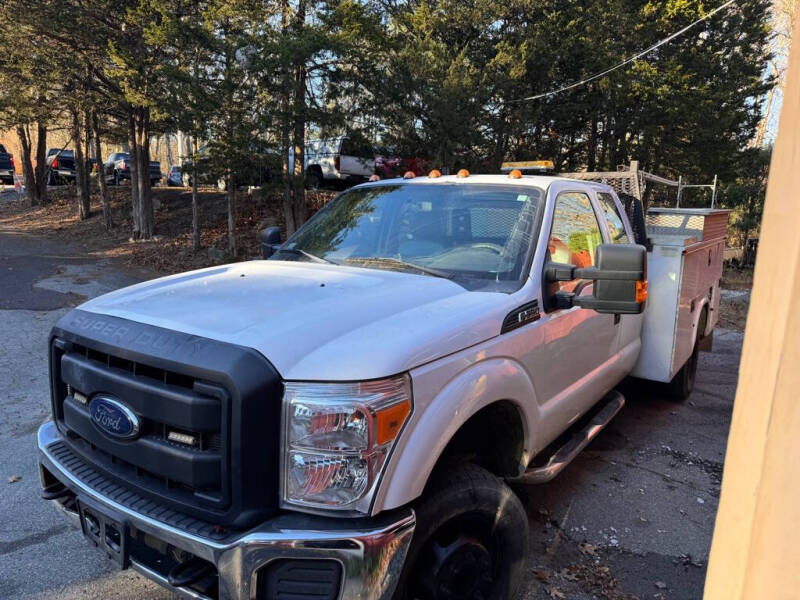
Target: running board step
(612, 403)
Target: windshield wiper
(308, 255)
(400, 263)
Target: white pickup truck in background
(340, 420)
(343, 159)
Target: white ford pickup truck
(340, 421)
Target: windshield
(477, 235)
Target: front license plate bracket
(105, 529)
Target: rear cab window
(357, 146)
(613, 218)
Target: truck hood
(315, 321)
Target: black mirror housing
(620, 280)
(270, 240)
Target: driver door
(571, 366)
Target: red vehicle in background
(389, 166)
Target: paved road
(41, 556)
(632, 516)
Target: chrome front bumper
(371, 551)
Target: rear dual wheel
(470, 542)
(681, 386)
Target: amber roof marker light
(375, 177)
(515, 174)
(434, 174)
(409, 175)
(462, 173)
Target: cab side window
(575, 234)
(616, 226)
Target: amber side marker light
(434, 174)
(515, 174)
(641, 291)
(409, 175)
(462, 173)
(390, 420)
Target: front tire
(314, 180)
(470, 542)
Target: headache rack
(630, 180)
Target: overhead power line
(629, 60)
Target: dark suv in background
(117, 167)
(6, 166)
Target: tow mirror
(270, 241)
(620, 280)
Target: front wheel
(313, 180)
(471, 539)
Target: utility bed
(684, 268)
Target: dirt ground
(735, 301)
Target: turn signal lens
(409, 175)
(641, 291)
(390, 420)
(435, 173)
(515, 174)
(462, 173)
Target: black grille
(165, 402)
(209, 415)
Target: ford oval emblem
(114, 418)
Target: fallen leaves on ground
(587, 548)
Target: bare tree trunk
(87, 163)
(286, 135)
(168, 144)
(101, 179)
(299, 123)
(146, 219)
(80, 167)
(591, 150)
(40, 172)
(134, 170)
(25, 142)
(231, 214)
(195, 199)
(500, 142)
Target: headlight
(337, 437)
